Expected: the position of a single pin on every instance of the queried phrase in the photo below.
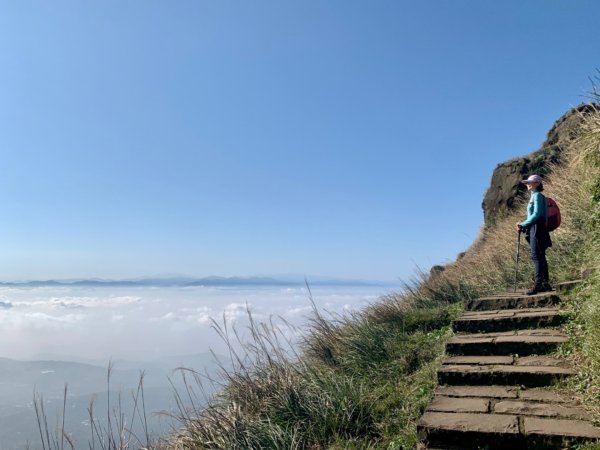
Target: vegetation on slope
(362, 381)
(584, 305)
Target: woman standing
(537, 234)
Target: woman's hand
(518, 226)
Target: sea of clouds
(95, 324)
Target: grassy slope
(362, 381)
(584, 305)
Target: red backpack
(552, 214)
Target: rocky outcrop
(505, 187)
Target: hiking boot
(536, 289)
(546, 287)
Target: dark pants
(540, 265)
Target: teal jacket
(536, 209)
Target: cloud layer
(145, 323)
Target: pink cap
(532, 179)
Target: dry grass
(111, 431)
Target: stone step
(442, 403)
(479, 391)
(558, 433)
(490, 393)
(543, 395)
(532, 371)
(468, 429)
(500, 431)
(568, 286)
(520, 342)
(508, 319)
(515, 401)
(513, 301)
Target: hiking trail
(495, 387)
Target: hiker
(537, 233)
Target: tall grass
(113, 430)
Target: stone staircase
(495, 387)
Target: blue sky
(343, 138)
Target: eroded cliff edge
(505, 188)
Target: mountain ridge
(192, 281)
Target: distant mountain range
(190, 281)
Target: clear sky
(342, 138)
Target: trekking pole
(518, 252)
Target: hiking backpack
(552, 214)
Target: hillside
(361, 381)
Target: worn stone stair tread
(475, 430)
(531, 332)
(506, 360)
(521, 342)
(464, 368)
(530, 376)
(567, 286)
(486, 423)
(452, 404)
(513, 301)
(547, 396)
(478, 391)
(515, 334)
(508, 319)
(560, 427)
(479, 360)
(536, 394)
(537, 360)
(495, 313)
(518, 407)
(531, 408)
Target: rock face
(505, 187)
